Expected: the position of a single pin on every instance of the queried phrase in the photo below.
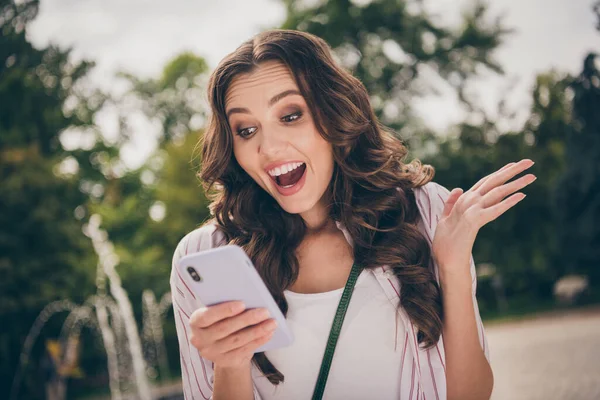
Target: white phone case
(227, 274)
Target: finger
(451, 201)
(480, 182)
(491, 213)
(497, 194)
(243, 337)
(231, 325)
(503, 176)
(206, 316)
(248, 348)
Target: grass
(520, 309)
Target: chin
(295, 207)
(297, 204)
(306, 205)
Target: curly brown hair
(371, 191)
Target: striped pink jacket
(423, 372)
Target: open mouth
(289, 179)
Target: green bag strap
(336, 327)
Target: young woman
(306, 180)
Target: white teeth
(284, 169)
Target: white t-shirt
(369, 345)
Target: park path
(553, 357)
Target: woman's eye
(292, 117)
(244, 133)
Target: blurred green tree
(522, 243)
(146, 213)
(400, 52)
(175, 100)
(148, 210)
(43, 254)
(577, 193)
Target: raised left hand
(465, 213)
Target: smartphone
(226, 273)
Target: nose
(272, 142)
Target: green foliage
(174, 100)
(577, 192)
(395, 48)
(43, 250)
(179, 189)
(145, 245)
(43, 253)
(33, 82)
(522, 243)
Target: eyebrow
(274, 99)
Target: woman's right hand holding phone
(228, 335)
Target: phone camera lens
(194, 274)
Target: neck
(317, 219)
(328, 225)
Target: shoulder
(431, 192)
(430, 199)
(202, 238)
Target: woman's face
(276, 142)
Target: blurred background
(102, 103)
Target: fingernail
(272, 325)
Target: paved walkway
(547, 358)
